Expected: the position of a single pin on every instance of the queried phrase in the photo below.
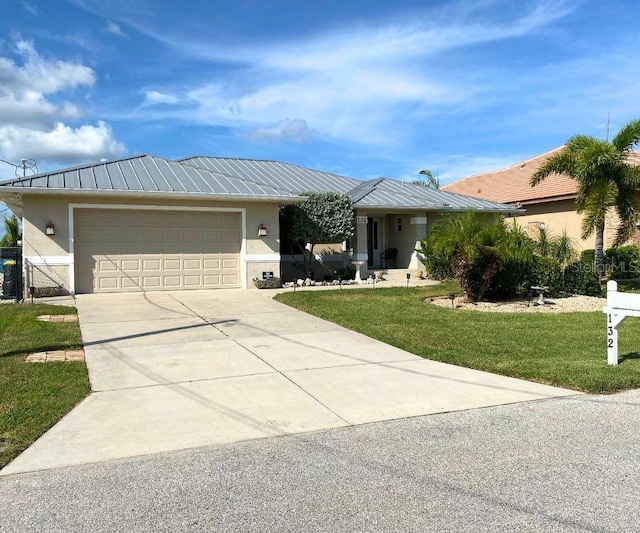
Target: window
(399, 224)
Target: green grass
(34, 396)
(567, 349)
(625, 285)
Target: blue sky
(361, 88)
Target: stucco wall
(557, 216)
(404, 240)
(47, 252)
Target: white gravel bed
(566, 304)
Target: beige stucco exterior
(49, 258)
(557, 216)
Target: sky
(362, 88)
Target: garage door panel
(172, 281)
(229, 279)
(129, 282)
(192, 281)
(108, 283)
(229, 263)
(151, 282)
(146, 250)
(151, 265)
(191, 264)
(130, 265)
(106, 265)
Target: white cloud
(113, 28)
(61, 144)
(297, 130)
(31, 8)
(33, 110)
(350, 84)
(155, 98)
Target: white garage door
(126, 250)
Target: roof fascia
(147, 194)
(437, 209)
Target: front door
(374, 242)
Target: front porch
(384, 241)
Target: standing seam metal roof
(148, 174)
(391, 193)
(225, 177)
(279, 175)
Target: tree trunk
(599, 250)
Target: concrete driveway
(177, 370)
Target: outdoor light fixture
(50, 229)
(452, 297)
(262, 230)
(408, 278)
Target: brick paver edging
(57, 318)
(56, 355)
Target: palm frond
(627, 137)
(559, 163)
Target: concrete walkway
(180, 370)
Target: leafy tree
(605, 180)
(432, 182)
(12, 232)
(323, 217)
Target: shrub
(588, 256)
(507, 283)
(477, 276)
(622, 262)
(437, 263)
(546, 272)
(582, 278)
(347, 272)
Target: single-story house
(148, 223)
(551, 202)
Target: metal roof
(389, 193)
(279, 175)
(149, 174)
(250, 179)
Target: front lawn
(626, 285)
(567, 350)
(34, 396)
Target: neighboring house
(551, 202)
(147, 223)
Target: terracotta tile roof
(511, 185)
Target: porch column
(419, 225)
(360, 256)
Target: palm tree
(561, 247)
(605, 180)
(12, 232)
(432, 182)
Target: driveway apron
(177, 370)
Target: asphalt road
(568, 464)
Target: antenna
(608, 121)
(26, 165)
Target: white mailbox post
(620, 305)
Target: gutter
(17, 192)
